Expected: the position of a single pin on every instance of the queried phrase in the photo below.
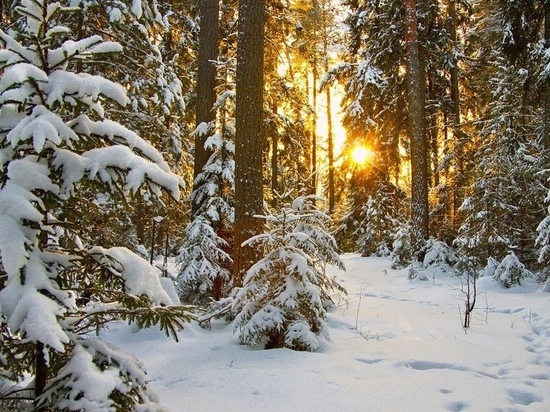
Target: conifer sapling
(285, 296)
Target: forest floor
(395, 345)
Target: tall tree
(546, 79)
(325, 22)
(455, 112)
(206, 84)
(249, 136)
(416, 99)
(500, 213)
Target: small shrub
(511, 272)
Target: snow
(96, 385)
(41, 123)
(139, 276)
(33, 312)
(394, 345)
(20, 73)
(62, 84)
(136, 8)
(101, 162)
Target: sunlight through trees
(408, 126)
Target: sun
(361, 154)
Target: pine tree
(204, 262)
(57, 145)
(380, 220)
(285, 294)
(439, 260)
(372, 214)
(206, 85)
(401, 248)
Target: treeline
(483, 120)
(451, 97)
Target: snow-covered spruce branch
(133, 310)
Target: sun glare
(361, 154)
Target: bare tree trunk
(330, 144)
(274, 162)
(41, 377)
(416, 98)
(314, 132)
(206, 80)
(457, 180)
(249, 137)
(431, 138)
(546, 90)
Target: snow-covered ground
(396, 345)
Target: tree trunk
(41, 377)
(248, 138)
(330, 144)
(274, 162)
(416, 98)
(314, 131)
(206, 80)
(457, 179)
(330, 135)
(546, 90)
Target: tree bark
(249, 136)
(314, 130)
(546, 89)
(41, 377)
(206, 80)
(416, 99)
(457, 179)
(330, 134)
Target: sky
(395, 344)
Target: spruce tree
(500, 212)
(249, 133)
(285, 295)
(57, 145)
(204, 261)
(154, 73)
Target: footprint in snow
(457, 406)
(522, 397)
(538, 339)
(369, 361)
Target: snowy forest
(174, 163)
